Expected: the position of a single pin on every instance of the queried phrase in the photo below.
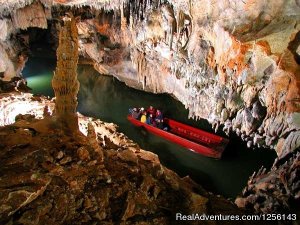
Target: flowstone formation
(64, 82)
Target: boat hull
(204, 143)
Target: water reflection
(108, 99)
(38, 72)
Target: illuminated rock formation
(235, 63)
(65, 83)
(30, 16)
(50, 177)
(17, 103)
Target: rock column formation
(65, 83)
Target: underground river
(108, 99)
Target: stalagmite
(93, 140)
(65, 83)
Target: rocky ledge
(98, 176)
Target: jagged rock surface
(50, 177)
(12, 61)
(13, 104)
(281, 181)
(235, 63)
(233, 67)
(30, 16)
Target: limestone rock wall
(30, 16)
(12, 62)
(11, 59)
(234, 63)
(6, 7)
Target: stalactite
(183, 27)
(138, 9)
(139, 60)
(65, 83)
(169, 23)
(123, 20)
(131, 20)
(131, 23)
(142, 67)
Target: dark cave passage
(41, 42)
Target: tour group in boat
(194, 139)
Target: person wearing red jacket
(151, 111)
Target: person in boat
(130, 110)
(144, 117)
(151, 111)
(160, 124)
(159, 119)
(135, 113)
(166, 126)
(158, 115)
(151, 121)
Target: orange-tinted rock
(83, 154)
(265, 46)
(38, 188)
(30, 16)
(64, 82)
(234, 63)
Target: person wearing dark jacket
(159, 115)
(150, 120)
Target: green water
(38, 73)
(108, 99)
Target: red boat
(196, 140)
